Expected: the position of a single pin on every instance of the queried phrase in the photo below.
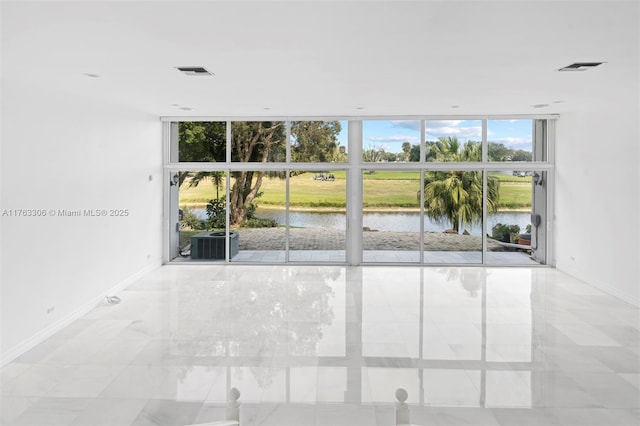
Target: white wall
(61, 151)
(597, 199)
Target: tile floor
(329, 345)
(378, 256)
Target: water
(386, 221)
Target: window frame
(543, 140)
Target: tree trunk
(236, 202)
(244, 190)
(243, 193)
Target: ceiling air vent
(194, 70)
(580, 66)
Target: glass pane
(200, 141)
(319, 141)
(391, 216)
(202, 215)
(509, 221)
(453, 217)
(258, 141)
(390, 141)
(453, 140)
(510, 140)
(257, 202)
(317, 216)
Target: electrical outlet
(50, 309)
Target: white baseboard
(625, 297)
(82, 310)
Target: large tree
(202, 142)
(315, 141)
(499, 152)
(252, 141)
(311, 141)
(414, 153)
(455, 197)
(406, 149)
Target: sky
(390, 134)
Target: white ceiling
(323, 58)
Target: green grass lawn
(511, 179)
(382, 189)
(515, 196)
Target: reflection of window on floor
(454, 337)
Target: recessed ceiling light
(558, 102)
(266, 108)
(539, 106)
(194, 70)
(455, 106)
(91, 75)
(176, 105)
(359, 107)
(186, 108)
(580, 66)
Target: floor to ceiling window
(377, 191)
(391, 191)
(516, 220)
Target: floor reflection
(331, 345)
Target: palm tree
(455, 197)
(217, 179)
(446, 149)
(406, 149)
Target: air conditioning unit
(211, 245)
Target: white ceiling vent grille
(581, 66)
(194, 70)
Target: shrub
(190, 220)
(259, 223)
(216, 214)
(251, 209)
(503, 233)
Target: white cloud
(436, 129)
(406, 124)
(395, 139)
(514, 143)
(377, 146)
(442, 123)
